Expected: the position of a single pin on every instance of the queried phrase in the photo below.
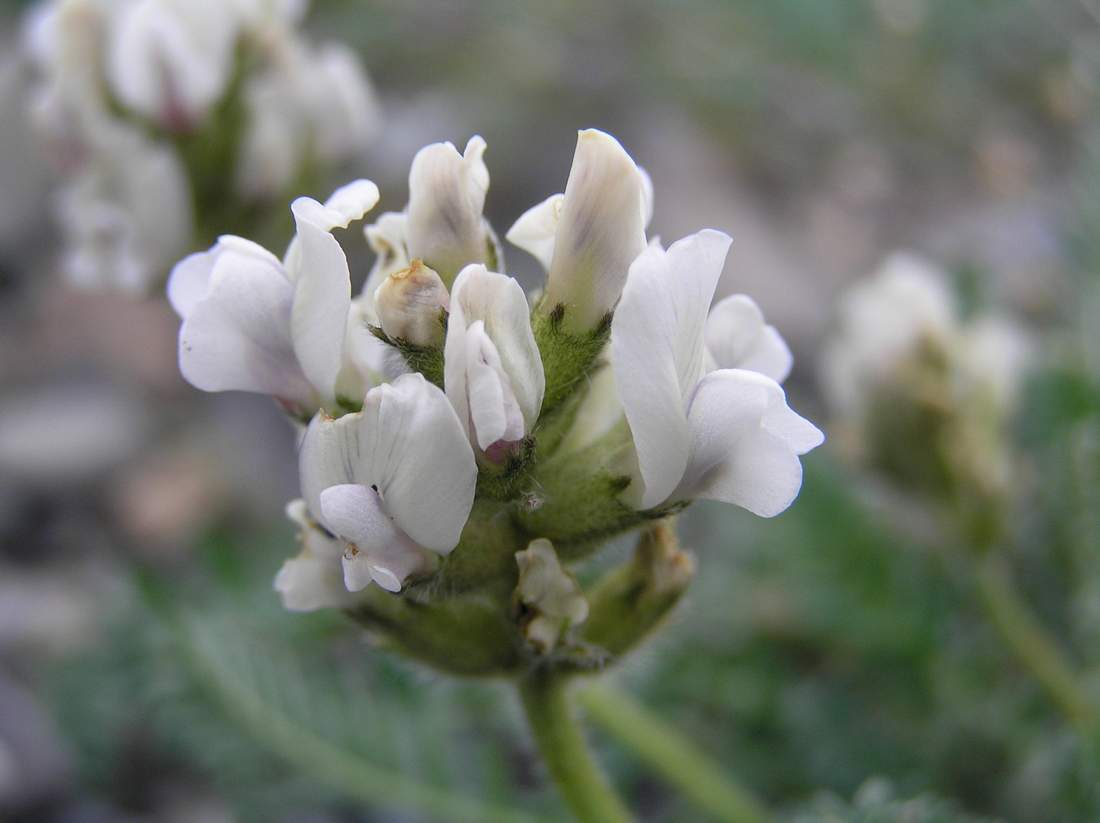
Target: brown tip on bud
(409, 303)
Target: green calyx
(428, 360)
(567, 358)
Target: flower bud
(601, 229)
(446, 196)
(410, 303)
(551, 596)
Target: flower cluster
(458, 438)
(177, 97)
(904, 366)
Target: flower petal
(536, 228)
(657, 352)
(600, 232)
(745, 443)
(322, 298)
(378, 550)
(408, 444)
(738, 338)
(446, 198)
(499, 303)
(237, 337)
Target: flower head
(492, 437)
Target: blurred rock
(33, 762)
(65, 434)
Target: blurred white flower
(394, 482)
(492, 368)
(171, 60)
(307, 102)
(254, 323)
(881, 321)
(150, 70)
(116, 235)
(727, 434)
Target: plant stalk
(1032, 645)
(671, 755)
(560, 739)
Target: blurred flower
(137, 96)
(921, 392)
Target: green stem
(1036, 649)
(672, 755)
(344, 771)
(561, 741)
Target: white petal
(307, 583)
(190, 278)
(657, 352)
(238, 335)
(499, 302)
(600, 232)
(408, 444)
(536, 228)
(358, 515)
(746, 443)
(647, 197)
(189, 281)
(446, 198)
(171, 62)
(351, 203)
(494, 411)
(738, 338)
(322, 299)
(314, 579)
(386, 238)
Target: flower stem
(561, 741)
(672, 756)
(1034, 647)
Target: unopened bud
(410, 303)
(551, 596)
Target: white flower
(254, 323)
(881, 321)
(492, 368)
(447, 190)
(116, 235)
(306, 104)
(595, 230)
(395, 482)
(314, 579)
(727, 434)
(171, 60)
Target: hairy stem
(1032, 645)
(671, 755)
(561, 741)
